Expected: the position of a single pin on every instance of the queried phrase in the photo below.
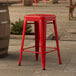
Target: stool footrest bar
(31, 51)
(40, 46)
(38, 52)
(54, 49)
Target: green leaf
(17, 27)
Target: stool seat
(40, 21)
(34, 17)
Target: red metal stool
(40, 21)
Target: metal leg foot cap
(60, 63)
(19, 64)
(44, 69)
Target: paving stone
(60, 10)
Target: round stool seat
(48, 17)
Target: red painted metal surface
(35, 1)
(40, 21)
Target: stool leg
(23, 37)
(35, 1)
(45, 1)
(37, 39)
(42, 32)
(57, 43)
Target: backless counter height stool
(40, 21)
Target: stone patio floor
(31, 67)
(66, 28)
